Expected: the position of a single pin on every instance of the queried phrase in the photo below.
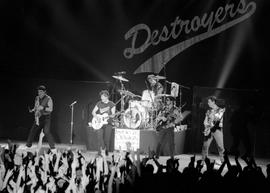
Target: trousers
(218, 136)
(44, 123)
(165, 136)
(105, 139)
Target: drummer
(155, 86)
(157, 89)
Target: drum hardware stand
(180, 99)
(122, 103)
(119, 77)
(122, 109)
(152, 111)
(122, 98)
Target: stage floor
(184, 159)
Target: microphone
(168, 82)
(73, 103)
(123, 72)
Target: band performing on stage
(155, 109)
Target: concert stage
(184, 159)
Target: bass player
(105, 109)
(167, 119)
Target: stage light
(234, 51)
(77, 58)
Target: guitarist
(167, 119)
(213, 124)
(42, 110)
(104, 134)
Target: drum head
(132, 118)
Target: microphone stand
(71, 123)
(122, 98)
(122, 104)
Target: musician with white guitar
(213, 124)
(102, 112)
(42, 118)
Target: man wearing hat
(156, 86)
(167, 119)
(42, 109)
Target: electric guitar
(99, 120)
(37, 113)
(213, 123)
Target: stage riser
(148, 140)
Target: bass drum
(132, 118)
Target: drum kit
(142, 110)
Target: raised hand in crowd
(208, 163)
(192, 162)
(236, 158)
(199, 165)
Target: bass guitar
(165, 125)
(166, 121)
(213, 122)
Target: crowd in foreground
(123, 172)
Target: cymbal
(121, 78)
(159, 77)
